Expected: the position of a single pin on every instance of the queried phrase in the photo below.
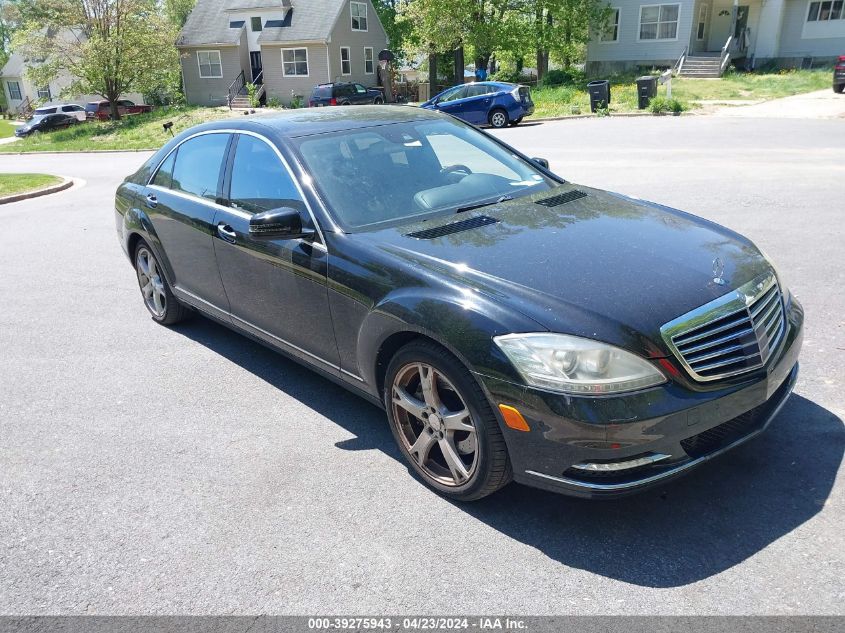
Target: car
(513, 325)
(839, 75)
(46, 123)
(102, 109)
(344, 94)
(76, 111)
(491, 103)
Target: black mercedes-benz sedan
(512, 324)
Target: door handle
(226, 232)
(152, 201)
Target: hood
(600, 265)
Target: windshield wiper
(478, 205)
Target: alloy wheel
(151, 282)
(498, 119)
(435, 425)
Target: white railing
(679, 65)
(726, 55)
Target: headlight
(559, 362)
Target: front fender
(132, 220)
(464, 323)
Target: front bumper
(683, 423)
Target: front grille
(454, 227)
(726, 433)
(732, 335)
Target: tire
(481, 452)
(378, 101)
(161, 303)
(498, 118)
(516, 122)
(838, 88)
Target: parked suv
(485, 102)
(102, 109)
(839, 75)
(343, 94)
(74, 110)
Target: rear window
(92, 107)
(45, 111)
(322, 92)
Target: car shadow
(673, 535)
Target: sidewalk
(822, 104)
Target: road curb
(594, 116)
(65, 184)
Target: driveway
(821, 104)
(186, 470)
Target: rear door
(361, 95)
(477, 103)
(276, 287)
(181, 201)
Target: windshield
(403, 171)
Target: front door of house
(700, 30)
(255, 63)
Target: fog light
(613, 466)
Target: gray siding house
(288, 46)
(787, 33)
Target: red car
(102, 109)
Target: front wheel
(444, 424)
(838, 88)
(498, 118)
(378, 101)
(160, 301)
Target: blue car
(485, 103)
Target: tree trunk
(432, 72)
(459, 65)
(112, 94)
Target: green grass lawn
(570, 99)
(19, 183)
(142, 131)
(6, 129)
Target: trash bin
(646, 89)
(599, 94)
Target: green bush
(511, 77)
(274, 102)
(661, 105)
(559, 77)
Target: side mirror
(284, 222)
(542, 162)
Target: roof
(308, 121)
(310, 20)
(14, 67)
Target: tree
(177, 11)
(397, 30)
(108, 47)
(9, 18)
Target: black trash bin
(599, 94)
(646, 90)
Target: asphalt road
(189, 470)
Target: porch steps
(701, 67)
(240, 102)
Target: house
(284, 46)
(711, 33)
(22, 96)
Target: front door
(700, 30)
(276, 287)
(181, 204)
(255, 63)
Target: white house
(787, 33)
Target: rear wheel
(378, 101)
(444, 424)
(498, 118)
(160, 301)
(838, 88)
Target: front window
(369, 67)
(345, 62)
(259, 180)
(825, 11)
(453, 94)
(659, 21)
(14, 90)
(209, 64)
(295, 62)
(432, 167)
(610, 33)
(359, 15)
(255, 24)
